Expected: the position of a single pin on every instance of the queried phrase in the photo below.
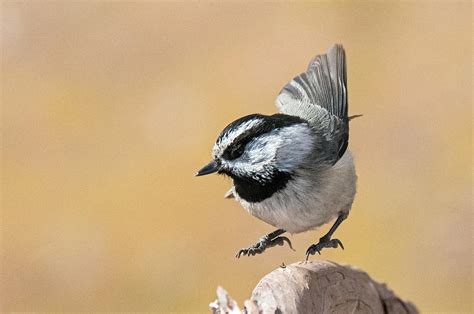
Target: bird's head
(257, 148)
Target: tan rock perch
(316, 287)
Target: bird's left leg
(270, 240)
(326, 241)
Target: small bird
(292, 169)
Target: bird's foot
(262, 245)
(323, 243)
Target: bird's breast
(308, 200)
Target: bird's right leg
(268, 241)
(326, 241)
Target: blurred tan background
(110, 108)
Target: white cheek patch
(258, 155)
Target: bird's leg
(326, 241)
(268, 241)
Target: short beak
(211, 167)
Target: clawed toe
(280, 241)
(262, 245)
(323, 243)
(338, 242)
(252, 250)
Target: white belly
(303, 205)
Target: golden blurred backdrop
(109, 108)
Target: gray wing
(319, 96)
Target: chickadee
(292, 169)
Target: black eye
(236, 152)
